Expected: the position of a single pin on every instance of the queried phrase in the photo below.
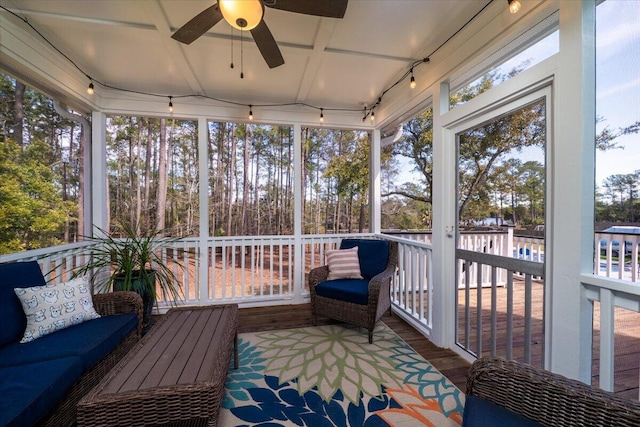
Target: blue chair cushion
(349, 290)
(90, 341)
(30, 391)
(479, 412)
(12, 317)
(373, 255)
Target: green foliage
(138, 254)
(32, 210)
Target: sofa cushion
(54, 307)
(373, 255)
(91, 341)
(29, 391)
(349, 290)
(12, 318)
(479, 412)
(343, 264)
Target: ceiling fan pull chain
(241, 56)
(232, 48)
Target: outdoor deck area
(627, 334)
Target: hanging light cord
(367, 111)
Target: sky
(618, 82)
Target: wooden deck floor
(627, 334)
(446, 361)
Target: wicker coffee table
(175, 374)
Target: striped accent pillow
(343, 264)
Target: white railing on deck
(57, 262)
(614, 297)
(412, 288)
(610, 249)
(490, 268)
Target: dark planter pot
(141, 287)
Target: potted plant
(135, 263)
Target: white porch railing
(613, 304)
(515, 306)
(617, 255)
(412, 288)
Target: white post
(99, 201)
(299, 264)
(203, 198)
(572, 194)
(444, 224)
(374, 186)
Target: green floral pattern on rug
(342, 360)
(331, 375)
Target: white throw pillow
(50, 308)
(343, 264)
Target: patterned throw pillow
(50, 308)
(343, 264)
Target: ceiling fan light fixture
(243, 15)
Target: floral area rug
(331, 376)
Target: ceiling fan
(248, 15)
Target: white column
(203, 195)
(374, 184)
(444, 223)
(572, 193)
(99, 215)
(298, 265)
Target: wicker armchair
(547, 398)
(378, 301)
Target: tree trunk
(147, 174)
(244, 220)
(161, 198)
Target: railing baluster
(494, 310)
(467, 303)
(527, 318)
(509, 314)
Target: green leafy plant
(135, 262)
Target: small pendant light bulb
(170, 105)
(412, 84)
(90, 88)
(373, 115)
(321, 116)
(250, 112)
(514, 6)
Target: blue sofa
(41, 381)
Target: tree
(624, 188)
(32, 212)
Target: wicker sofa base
(547, 398)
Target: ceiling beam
(175, 50)
(320, 42)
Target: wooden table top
(175, 351)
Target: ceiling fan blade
(198, 25)
(267, 45)
(328, 8)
